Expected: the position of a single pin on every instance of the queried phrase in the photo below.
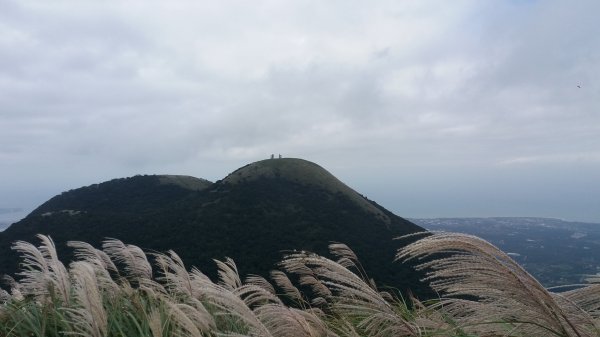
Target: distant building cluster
(273, 156)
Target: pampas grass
(42, 272)
(353, 296)
(488, 293)
(89, 317)
(115, 291)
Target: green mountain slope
(252, 215)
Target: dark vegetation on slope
(251, 216)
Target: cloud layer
(473, 100)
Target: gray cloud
(430, 108)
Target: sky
(431, 108)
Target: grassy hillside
(187, 182)
(302, 172)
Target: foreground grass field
(117, 291)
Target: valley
(556, 252)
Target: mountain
(556, 252)
(252, 216)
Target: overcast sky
(430, 108)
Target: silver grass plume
(15, 287)
(255, 296)
(178, 282)
(228, 303)
(251, 294)
(345, 328)
(132, 258)
(257, 305)
(101, 263)
(228, 274)
(174, 274)
(261, 282)
(232, 299)
(348, 259)
(58, 272)
(578, 313)
(194, 320)
(4, 297)
(155, 323)
(182, 296)
(43, 273)
(587, 297)
(89, 318)
(86, 252)
(488, 293)
(282, 281)
(283, 321)
(351, 296)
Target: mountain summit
(252, 215)
(304, 172)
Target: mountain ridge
(252, 215)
